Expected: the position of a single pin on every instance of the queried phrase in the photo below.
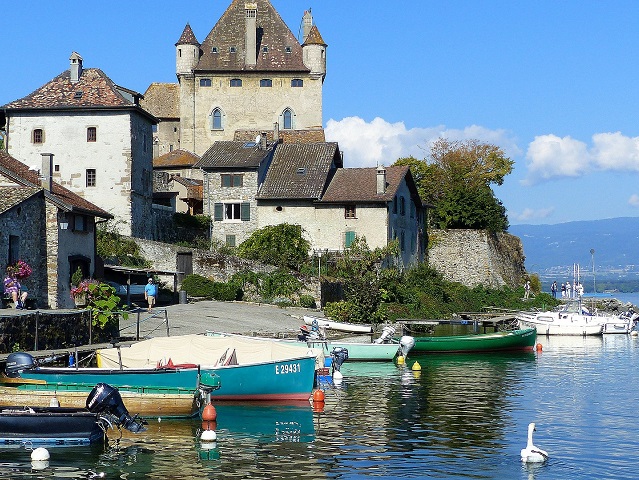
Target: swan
(532, 453)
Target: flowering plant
(20, 270)
(83, 288)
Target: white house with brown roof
(248, 74)
(47, 226)
(100, 136)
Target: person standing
(553, 289)
(527, 289)
(150, 293)
(568, 290)
(563, 290)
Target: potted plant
(80, 293)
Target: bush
(307, 301)
(282, 245)
(199, 286)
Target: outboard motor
(106, 400)
(405, 344)
(18, 362)
(387, 333)
(339, 356)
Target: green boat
(512, 340)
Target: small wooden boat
(248, 369)
(523, 339)
(339, 326)
(60, 426)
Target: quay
(481, 322)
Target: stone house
(175, 172)
(249, 73)
(47, 226)
(101, 138)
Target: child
(12, 287)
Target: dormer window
(288, 49)
(301, 171)
(214, 50)
(233, 50)
(264, 49)
(78, 94)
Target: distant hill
(553, 249)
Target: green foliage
(197, 222)
(118, 249)
(340, 311)
(268, 286)
(103, 303)
(282, 245)
(199, 286)
(456, 178)
(76, 278)
(307, 301)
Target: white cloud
(633, 201)
(529, 214)
(367, 144)
(550, 156)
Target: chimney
(381, 180)
(76, 67)
(276, 132)
(263, 142)
(46, 174)
(307, 24)
(251, 34)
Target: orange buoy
(209, 425)
(209, 413)
(318, 396)
(318, 407)
(539, 347)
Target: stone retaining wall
(477, 257)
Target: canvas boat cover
(204, 351)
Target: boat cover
(204, 351)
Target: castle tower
(314, 50)
(187, 52)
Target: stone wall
(477, 257)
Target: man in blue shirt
(150, 293)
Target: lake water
(461, 417)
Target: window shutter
(349, 238)
(245, 213)
(218, 212)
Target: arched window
(297, 82)
(216, 119)
(266, 82)
(236, 82)
(287, 119)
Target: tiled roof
(300, 171)
(273, 33)
(187, 37)
(285, 136)
(93, 89)
(227, 154)
(162, 100)
(12, 196)
(360, 185)
(187, 182)
(314, 37)
(21, 174)
(176, 158)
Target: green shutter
(226, 180)
(218, 212)
(349, 238)
(245, 213)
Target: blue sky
(554, 83)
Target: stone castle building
(249, 75)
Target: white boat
(575, 319)
(324, 322)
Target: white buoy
(40, 454)
(208, 436)
(337, 377)
(39, 464)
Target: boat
(339, 326)
(25, 425)
(248, 369)
(171, 390)
(573, 318)
(508, 340)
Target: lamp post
(592, 254)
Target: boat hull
(360, 352)
(49, 426)
(290, 379)
(548, 325)
(522, 340)
(339, 326)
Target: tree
(456, 178)
(282, 245)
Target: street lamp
(592, 254)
